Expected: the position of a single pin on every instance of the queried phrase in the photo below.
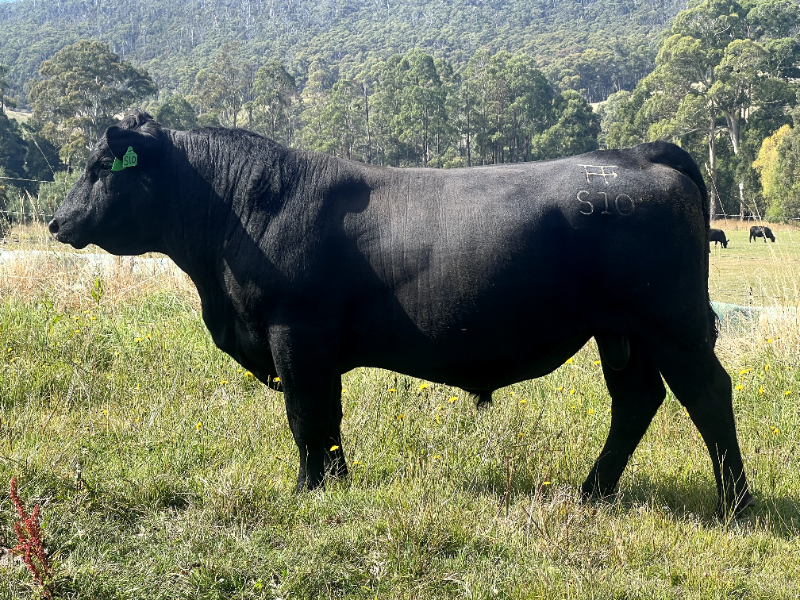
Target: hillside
(174, 40)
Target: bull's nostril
(53, 227)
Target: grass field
(756, 273)
(163, 470)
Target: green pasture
(755, 273)
(163, 470)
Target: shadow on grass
(680, 497)
(686, 498)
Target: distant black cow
(717, 235)
(308, 266)
(761, 231)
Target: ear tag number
(129, 160)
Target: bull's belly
(475, 362)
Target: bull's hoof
(336, 467)
(734, 508)
(592, 490)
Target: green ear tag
(130, 159)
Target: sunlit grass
(165, 471)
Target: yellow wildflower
(424, 386)
(199, 425)
(739, 387)
(452, 399)
(334, 448)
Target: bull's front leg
(312, 392)
(335, 464)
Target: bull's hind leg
(700, 382)
(636, 393)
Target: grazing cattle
(717, 235)
(761, 231)
(308, 266)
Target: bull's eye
(105, 167)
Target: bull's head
(115, 202)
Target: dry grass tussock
(33, 265)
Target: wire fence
(17, 215)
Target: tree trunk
(741, 200)
(469, 140)
(366, 122)
(712, 169)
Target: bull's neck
(210, 173)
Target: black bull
(308, 266)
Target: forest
(439, 85)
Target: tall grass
(165, 471)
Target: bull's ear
(146, 144)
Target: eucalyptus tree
(422, 116)
(508, 101)
(82, 87)
(778, 165)
(724, 67)
(344, 120)
(5, 101)
(275, 93)
(177, 113)
(574, 131)
(222, 89)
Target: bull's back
(539, 252)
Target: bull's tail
(677, 158)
